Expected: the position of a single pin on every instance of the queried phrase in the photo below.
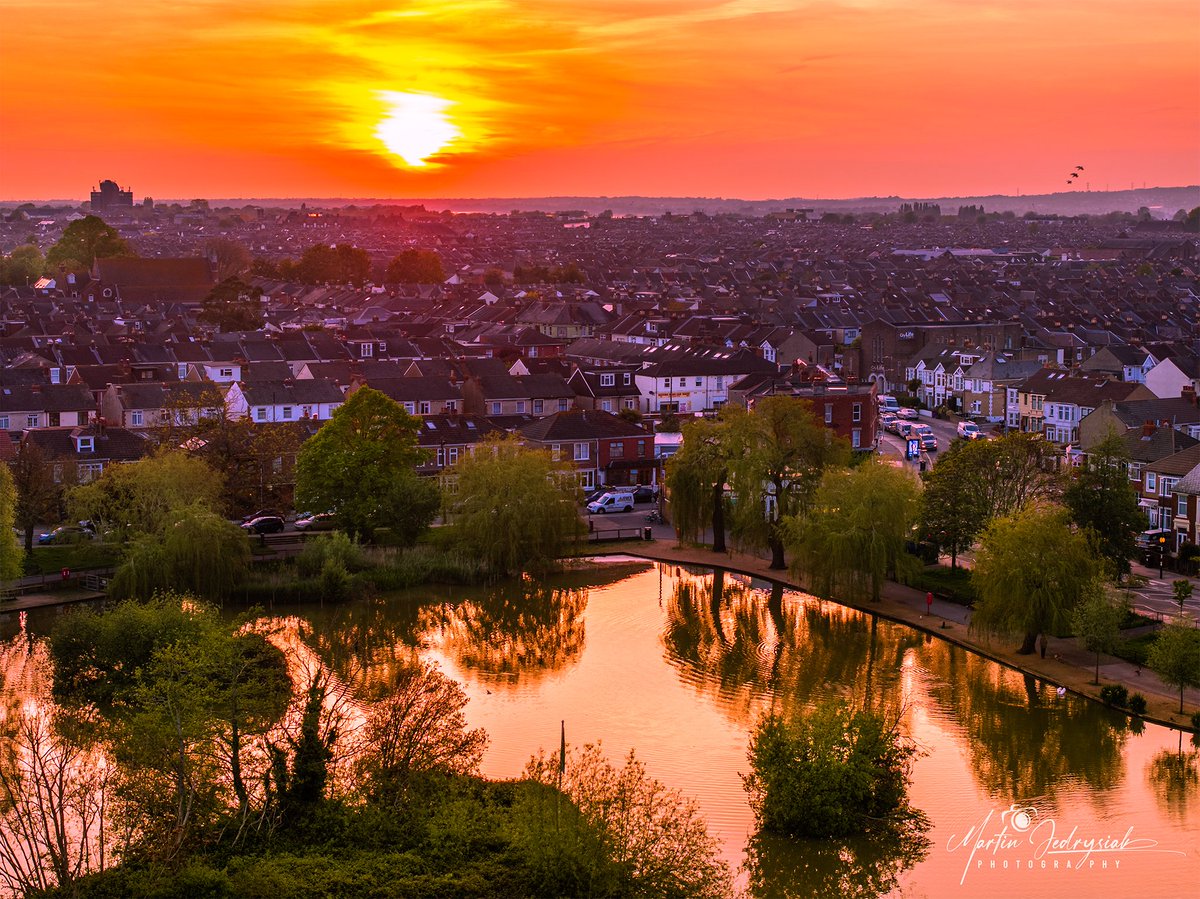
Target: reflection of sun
(416, 127)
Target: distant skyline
(519, 98)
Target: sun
(416, 126)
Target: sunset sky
(508, 98)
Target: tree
(418, 726)
(343, 264)
(10, 549)
(1096, 621)
(1102, 498)
(231, 258)
(513, 507)
(778, 453)
(143, 497)
(1014, 471)
(233, 305)
(696, 477)
(855, 536)
(833, 772)
(625, 832)
(414, 266)
(83, 242)
(1175, 655)
(1182, 589)
(39, 496)
(361, 466)
(22, 266)
(952, 513)
(1031, 570)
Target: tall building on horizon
(110, 196)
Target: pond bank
(1066, 664)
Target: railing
(599, 534)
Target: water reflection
(779, 867)
(1174, 775)
(1024, 740)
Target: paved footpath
(1066, 663)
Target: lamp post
(1162, 549)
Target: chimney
(1148, 429)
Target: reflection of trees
(746, 646)
(1175, 776)
(780, 867)
(1024, 741)
(525, 629)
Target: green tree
(10, 549)
(39, 496)
(857, 529)
(1031, 570)
(952, 514)
(1014, 471)
(1182, 589)
(343, 264)
(778, 453)
(1175, 655)
(1096, 621)
(22, 266)
(233, 305)
(144, 496)
(361, 466)
(513, 507)
(1102, 498)
(83, 242)
(833, 772)
(414, 266)
(231, 258)
(696, 477)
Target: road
(892, 447)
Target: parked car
(906, 413)
(66, 534)
(905, 429)
(645, 493)
(925, 434)
(322, 521)
(264, 524)
(262, 513)
(969, 430)
(612, 502)
(886, 418)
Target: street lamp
(1162, 549)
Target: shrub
(1137, 704)
(335, 581)
(832, 773)
(332, 547)
(1114, 695)
(1196, 720)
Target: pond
(677, 664)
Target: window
(627, 379)
(182, 370)
(410, 408)
(366, 349)
(306, 411)
(1154, 517)
(587, 479)
(608, 380)
(616, 449)
(451, 405)
(1181, 506)
(683, 382)
(563, 405)
(606, 405)
(699, 382)
(452, 455)
(582, 452)
(226, 373)
(90, 470)
(538, 407)
(720, 382)
(260, 414)
(641, 449)
(666, 382)
(1166, 486)
(1135, 471)
(136, 418)
(556, 451)
(86, 444)
(520, 407)
(856, 437)
(287, 413)
(562, 332)
(31, 421)
(425, 407)
(496, 408)
(856, 412)
(441, 457)
(829, 413)
(1151, 482)
(629, 403)
(3, 422)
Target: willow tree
(1031, 570)
(696, 478)
(778, 453)
(513, 507)
(855, 534)
(10, 549)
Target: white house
(283, 401)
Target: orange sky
(745, 98)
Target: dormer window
(85, 444)
(366, 349)
(608, 380)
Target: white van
(612, 502)
(887, 403)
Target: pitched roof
(580, 424)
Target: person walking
(929, 603)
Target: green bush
(832, 773)
(952, 584)
(1137, 704)
(335, 581)
(1114, 695)
(333, 547)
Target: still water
(677, 664)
